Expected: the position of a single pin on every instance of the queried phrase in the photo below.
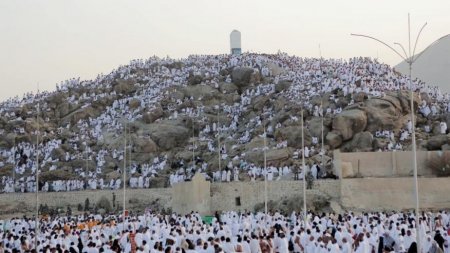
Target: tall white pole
(265, 174)
(87, 157)
(322, 149)
(37, 180)
(410, 58)
(14, 169)
(218, 140)
(124, 173)
(304, 172)
(321, 112)
(193, 145)
(416, 183)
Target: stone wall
(382, 164)
(351, 193)
(25, 203)
(394, 193)
(224, 196)
(192, 196)
(182, 198)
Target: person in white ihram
(443, 126)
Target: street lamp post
(265, 173)
(410, 58)
(124, 172)
(305, 213)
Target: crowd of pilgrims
(230, 232)
(157, 77)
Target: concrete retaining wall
(352, 193)
(394, 193)
(224, 195)
(25, 203)
(383, 164)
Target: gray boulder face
(436, 142)
(360, 97)
(122, 86)
(244, 76)
(168, 136)
(282, 86)
(379, 143)
(349, 122)
(145, 145)
(315, 127)
(194, 79)
(381, 114)
(436, 128)
(58, 153)
(198, 91)
(273, 156)
(333, 139)
(259, 102)
(293, 136)
(404, 99)
(153, 115)
(134, 103)
(446, 118)
(228, 88)
(361, 142)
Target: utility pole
(305, 212)
(410, 58)
(124, 172)
(37, 179)
(265, 174)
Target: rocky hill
(174, 113)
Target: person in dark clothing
(439, 239)
(413, 248)
(380, 244)
(80, 245)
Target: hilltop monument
(235, 42)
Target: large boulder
(122, 86)
(244, 76)
(277, 155)
(134, 103)
(361, 142)
(437, 141)
(228, 88)
(360, 97)
(293, 135)
(273, 156)
(333, 139)
(144, 145)
(153, 115)
(198, 91)
(315, 127)
(350, 122)
(282, 86)
(404, 99)
(194, 79)
(168, 136)
(62, 110)
(259, 102)
(59, 154)
(382, 114)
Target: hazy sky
(47, 41)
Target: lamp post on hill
(410, 58)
